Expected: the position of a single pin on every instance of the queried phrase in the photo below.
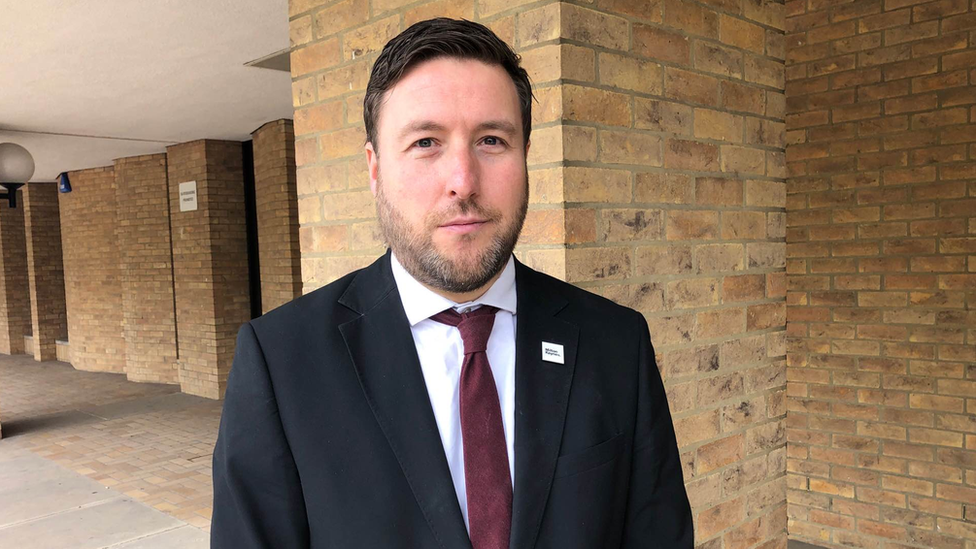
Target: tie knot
(475, 326)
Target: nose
(463, 178)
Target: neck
(466, 296)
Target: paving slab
(25, 468)
(187, 537)
(95, 526)
(55, 494)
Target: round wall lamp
(16, 169)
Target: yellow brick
(551, 262)
(315, 57)
(559, 20)
(371, 38)
(300, 31)
(454, 9)
(348, 205)
(555, 61)
(339, 17)
(631, 74)
(504, 28)
(380, 6)
(342, 80)
(586, 264)
(546, 186)
(342, 143)
(594, 28)
(596, 185)
(594, 105)
(546, 145)
(538, 25)
(548, 104)
(718, 125)
(579, 143)
(487, 8)
(303, 92)
(741, 34)
(617, 147)
(318, 118)
(743, 160)
(544, 227)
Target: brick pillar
(656, 179)
(209, 262)
(146, 263)
(45, 268)
(277, 212)
(882, 247)
(92, 279)
(15, 307)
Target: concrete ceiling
(83, 82)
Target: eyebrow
(431, 126)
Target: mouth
(464, 225)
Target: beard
(415, 248)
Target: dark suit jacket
(328, 439)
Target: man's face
(450, 183)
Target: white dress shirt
(441, 353)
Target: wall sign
(188, 196)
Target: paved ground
(90, 460)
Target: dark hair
(442, 37)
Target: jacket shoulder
(584, 305)
(321, 306)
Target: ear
(372, 165)
(527, 145)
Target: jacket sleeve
(658, 512)
(258, 501)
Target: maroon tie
(487, 480)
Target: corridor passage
(93, 457)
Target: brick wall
(45, 268)
(882, 272)
(146, 263)
(656, 175)
(92, 279)
(15, 307)
(209, 262)
(277, 213)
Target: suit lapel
(541, 398)
(385, 357)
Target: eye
(424, 143)
(491, 141)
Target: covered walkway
(138, 444)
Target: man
(448, 396)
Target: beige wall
(92, 275)
(209, 261)
(15, 306)
(277, 213)
(150, 291)
(146, 262)
(656, 175)
(42, 224)
(882, 237)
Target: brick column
(209, 262)
(656, 179)
(882, 247)
(92, 279)
(15, 307)
(45, 268)
(146, 263)
(277, 212)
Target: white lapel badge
(552, 352)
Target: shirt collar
(420, 303)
